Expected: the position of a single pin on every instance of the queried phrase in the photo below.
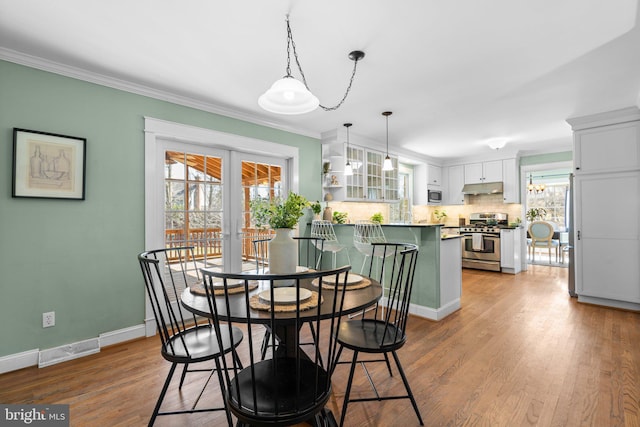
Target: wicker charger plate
(258, 304)
(198, 289)
(360, 285)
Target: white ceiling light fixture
(348, 170)
(387, 165)
(291, 96)
(497, 143)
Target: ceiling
(455, 74)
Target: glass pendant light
(387, 165)
(348, 170)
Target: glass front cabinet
(368, 182)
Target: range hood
(484, 188)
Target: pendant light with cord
(291, 96)
(387, 165)
(348, 170)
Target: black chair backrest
(166, 273)
(261, 254)
(292, 385)
(397, 273)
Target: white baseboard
(609, 303)
(435, 313)
(121, 335)
(51, 356)
(13, 362)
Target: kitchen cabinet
(478, 173)
(420, 185)
(455, 176)
(510, 250)
(609, 148)
(511, 181)
(368, 182)
(434, 175)
(333, 179)
(607, 230)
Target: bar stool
(324, 229)
(364, 234)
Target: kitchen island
(438, 279)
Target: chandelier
(291, 96)
(534, 188)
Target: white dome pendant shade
(288, 96)
(291, 96)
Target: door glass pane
(259, 180)
(193, 204)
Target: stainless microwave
(434, 196)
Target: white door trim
(157, 129)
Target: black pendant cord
(356, 55)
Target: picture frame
(48, 165)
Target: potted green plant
(339, 217)
(278, 213)
(441, 216)
(316, 208)
(281, 215)
(377, 217)
(535, 214)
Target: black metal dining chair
(185, 339)
(293, 386)
(386, 335)
(309, 256)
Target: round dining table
(355, 300)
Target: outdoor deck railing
(207, 242)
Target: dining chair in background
(185, 339)
(323, 229)
(292, 386)
(541, 236)
(386, 335)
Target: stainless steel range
(481, 240)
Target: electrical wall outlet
(48, 319)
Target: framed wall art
(47, 165)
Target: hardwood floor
(519, 352)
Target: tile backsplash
(479, 203)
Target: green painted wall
(565, 156)
(78, 258)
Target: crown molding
(138, 89)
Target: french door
(207, 194)
(198, 184)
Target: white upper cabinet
(511, 189)
(434, 175)
(455, 176)
(608, 148)
(478, 173)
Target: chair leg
(265, 344)
(184, 374)
(386, 359)
(165, 387)
(347, 392)
(407, 387)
